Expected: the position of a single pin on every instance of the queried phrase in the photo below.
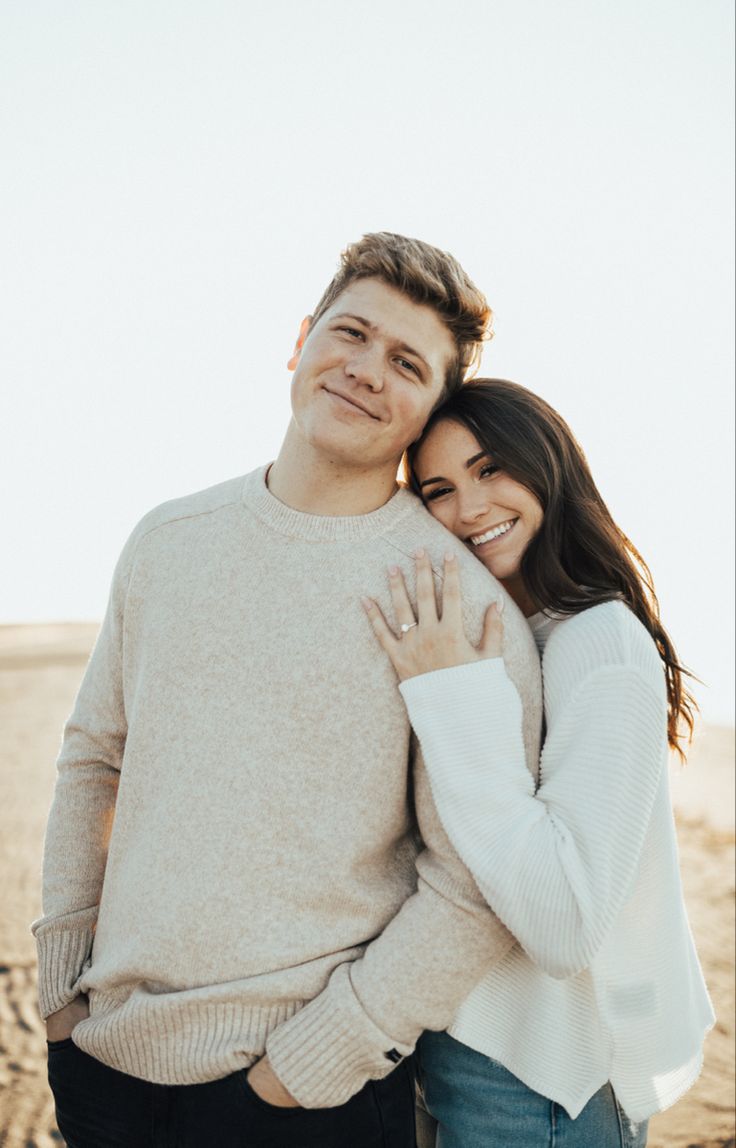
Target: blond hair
(426, 275)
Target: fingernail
(393, 570)
(367, 604)
(449, 556)
(500, 605)
(419, 553)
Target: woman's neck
(515, 587)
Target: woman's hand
(433, 640)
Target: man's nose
(365, 366)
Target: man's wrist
(266, 1084)
(61, 1024)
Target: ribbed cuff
(427, 693)
(477, 699)
(63, 949)
(331, 1048)
(469, 721)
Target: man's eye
(351, 331)
(437, 492)
(407, 366)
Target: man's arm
(77, 835)
(417, 973)
(412, 977)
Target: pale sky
(181, 175)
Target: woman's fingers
(425, 645)
(452, 603)
(426, 600)
(403, 608)
(381, 628)
(491, 644)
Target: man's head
(425, 275)
(396, 331)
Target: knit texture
(233, 855)
(581, 866)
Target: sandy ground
(40, 668)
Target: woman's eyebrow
(471, 462)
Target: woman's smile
(493, 533)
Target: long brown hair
(579, 556)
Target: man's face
(368, 375)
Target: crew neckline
(321, 527)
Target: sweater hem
(188, 1042)
(666, 1087)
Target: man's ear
(306, 323)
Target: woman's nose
(473, 505)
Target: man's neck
(305, 480)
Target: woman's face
(495, 516)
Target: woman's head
(475, 496)
(531, 471)
(501, 469)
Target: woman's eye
(437, 492)
(488, 470)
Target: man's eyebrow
(357, 318)
(373, 327)
(471, 462)
(417, 354)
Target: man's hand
(60, 1024)
(266, 1084)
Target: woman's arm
(558, 862)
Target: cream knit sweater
(583, 868)
(232, 852)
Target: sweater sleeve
(556, 864)
(80, 820)
(413, 977)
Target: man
(270, 936)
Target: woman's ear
(306, 323)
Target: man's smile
(351, 401)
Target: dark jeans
(99, 1107)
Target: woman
(596, 1018)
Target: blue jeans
(475, 1102)
(99, 1107)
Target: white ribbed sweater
(232, 853)
(583, 869)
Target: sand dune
(40, 667)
